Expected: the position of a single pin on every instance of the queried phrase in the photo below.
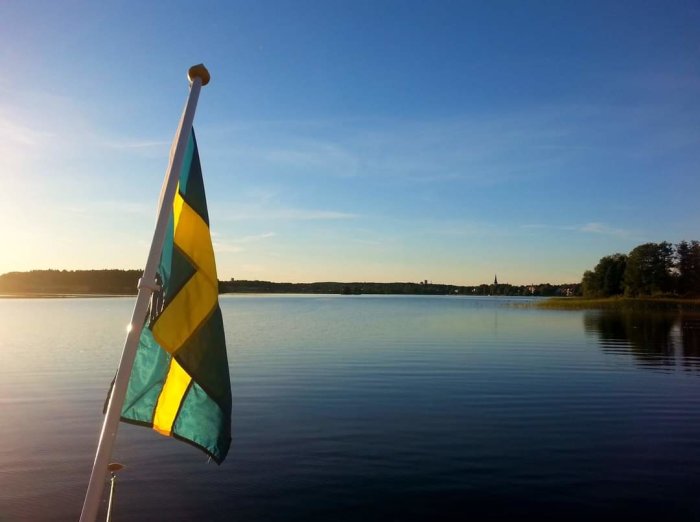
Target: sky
(354, 140)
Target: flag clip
(153, 287)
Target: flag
(180, 384)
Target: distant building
(495, 279)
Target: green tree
(589, 284)
(611, 271)
(606, 279)
(649, 269)
(688, 267)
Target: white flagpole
(198, 76)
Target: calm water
(370, 408)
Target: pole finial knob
(115, 466)
(199, 71)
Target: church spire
(495, 279)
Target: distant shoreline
(32, 295)
(113, 282)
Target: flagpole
(198, 76)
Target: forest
(70, 282)
(651, 269)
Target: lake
(370, 408)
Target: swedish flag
(180, 382)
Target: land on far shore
(74, 283)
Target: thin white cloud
(255, 237)
(592, 227)
(285, 214)
(111, 207)
(40, 130)
(601, 228)
(135, 144)
(290, 155)
(312, 215)
(541, 142)
(223, 243)
(224, 247)
(14, 133)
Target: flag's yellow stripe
(193, 238)
(185, 313)
(170, 398)
(177, 206)
(196, 300)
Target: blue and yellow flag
(180, 382)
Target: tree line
(402, 288)
(65, 282)
(123, 282)
(651, 269)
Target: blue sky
(352, 141)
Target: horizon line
(425, 281)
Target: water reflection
(655, 339)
